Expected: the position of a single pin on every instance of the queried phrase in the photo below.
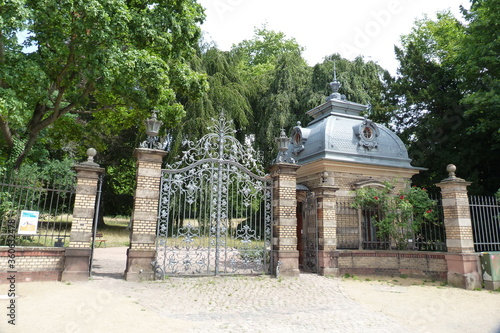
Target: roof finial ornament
(335, 85)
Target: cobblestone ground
(309, 303)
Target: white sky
(369, 28)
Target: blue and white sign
(28, 223)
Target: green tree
(114, 59)
(227, 92)
(481, 66)
(261, 53)
(435, 95)
(363, 82)
(268, 63)
(283, 103)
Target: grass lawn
(115, 231)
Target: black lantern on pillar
(282, 142)
(153, 125)
(152, 129)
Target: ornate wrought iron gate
(215, 210)
(310, 234)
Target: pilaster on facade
(145, 214)
(327, 228)
(285, 253)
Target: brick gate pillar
(285, 252)
(77, 254)
(142, 250)
(462, 262)
(327, 228)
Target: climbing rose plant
(400, 215)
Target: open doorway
(307, 234)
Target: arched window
(369, 237)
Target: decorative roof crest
(335, 85)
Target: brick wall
(345, 181)
(33, 264)
(413, 264)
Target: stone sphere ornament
(451, 168)
(91, 152)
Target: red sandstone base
(286, 263)
(76, 264)
(463, 271)
(139, 267)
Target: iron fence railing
(357, 229)
(50, 201)
(485, 216)
(431, 235)
(348, 227)
(372, 240)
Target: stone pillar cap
(91, 152)
(451, 168)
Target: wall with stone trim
(345, 177)
(413, 264)
(33, 264)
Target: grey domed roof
(339, 133)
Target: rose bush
(400, 214)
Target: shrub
(401, 214)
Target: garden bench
(98, 239)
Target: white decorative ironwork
(220, 144)
(215, 209)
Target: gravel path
(309, 303)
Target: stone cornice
(356, 168)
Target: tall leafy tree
(283, 103)
(227, 93)
(115, 60)
(363, 82)
(430, 116)
(441, 101)
(480, 68)
(277, 76)
(261, 53)
(283, 87)
(480, 60)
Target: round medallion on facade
(367, 133)
(298, 138)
